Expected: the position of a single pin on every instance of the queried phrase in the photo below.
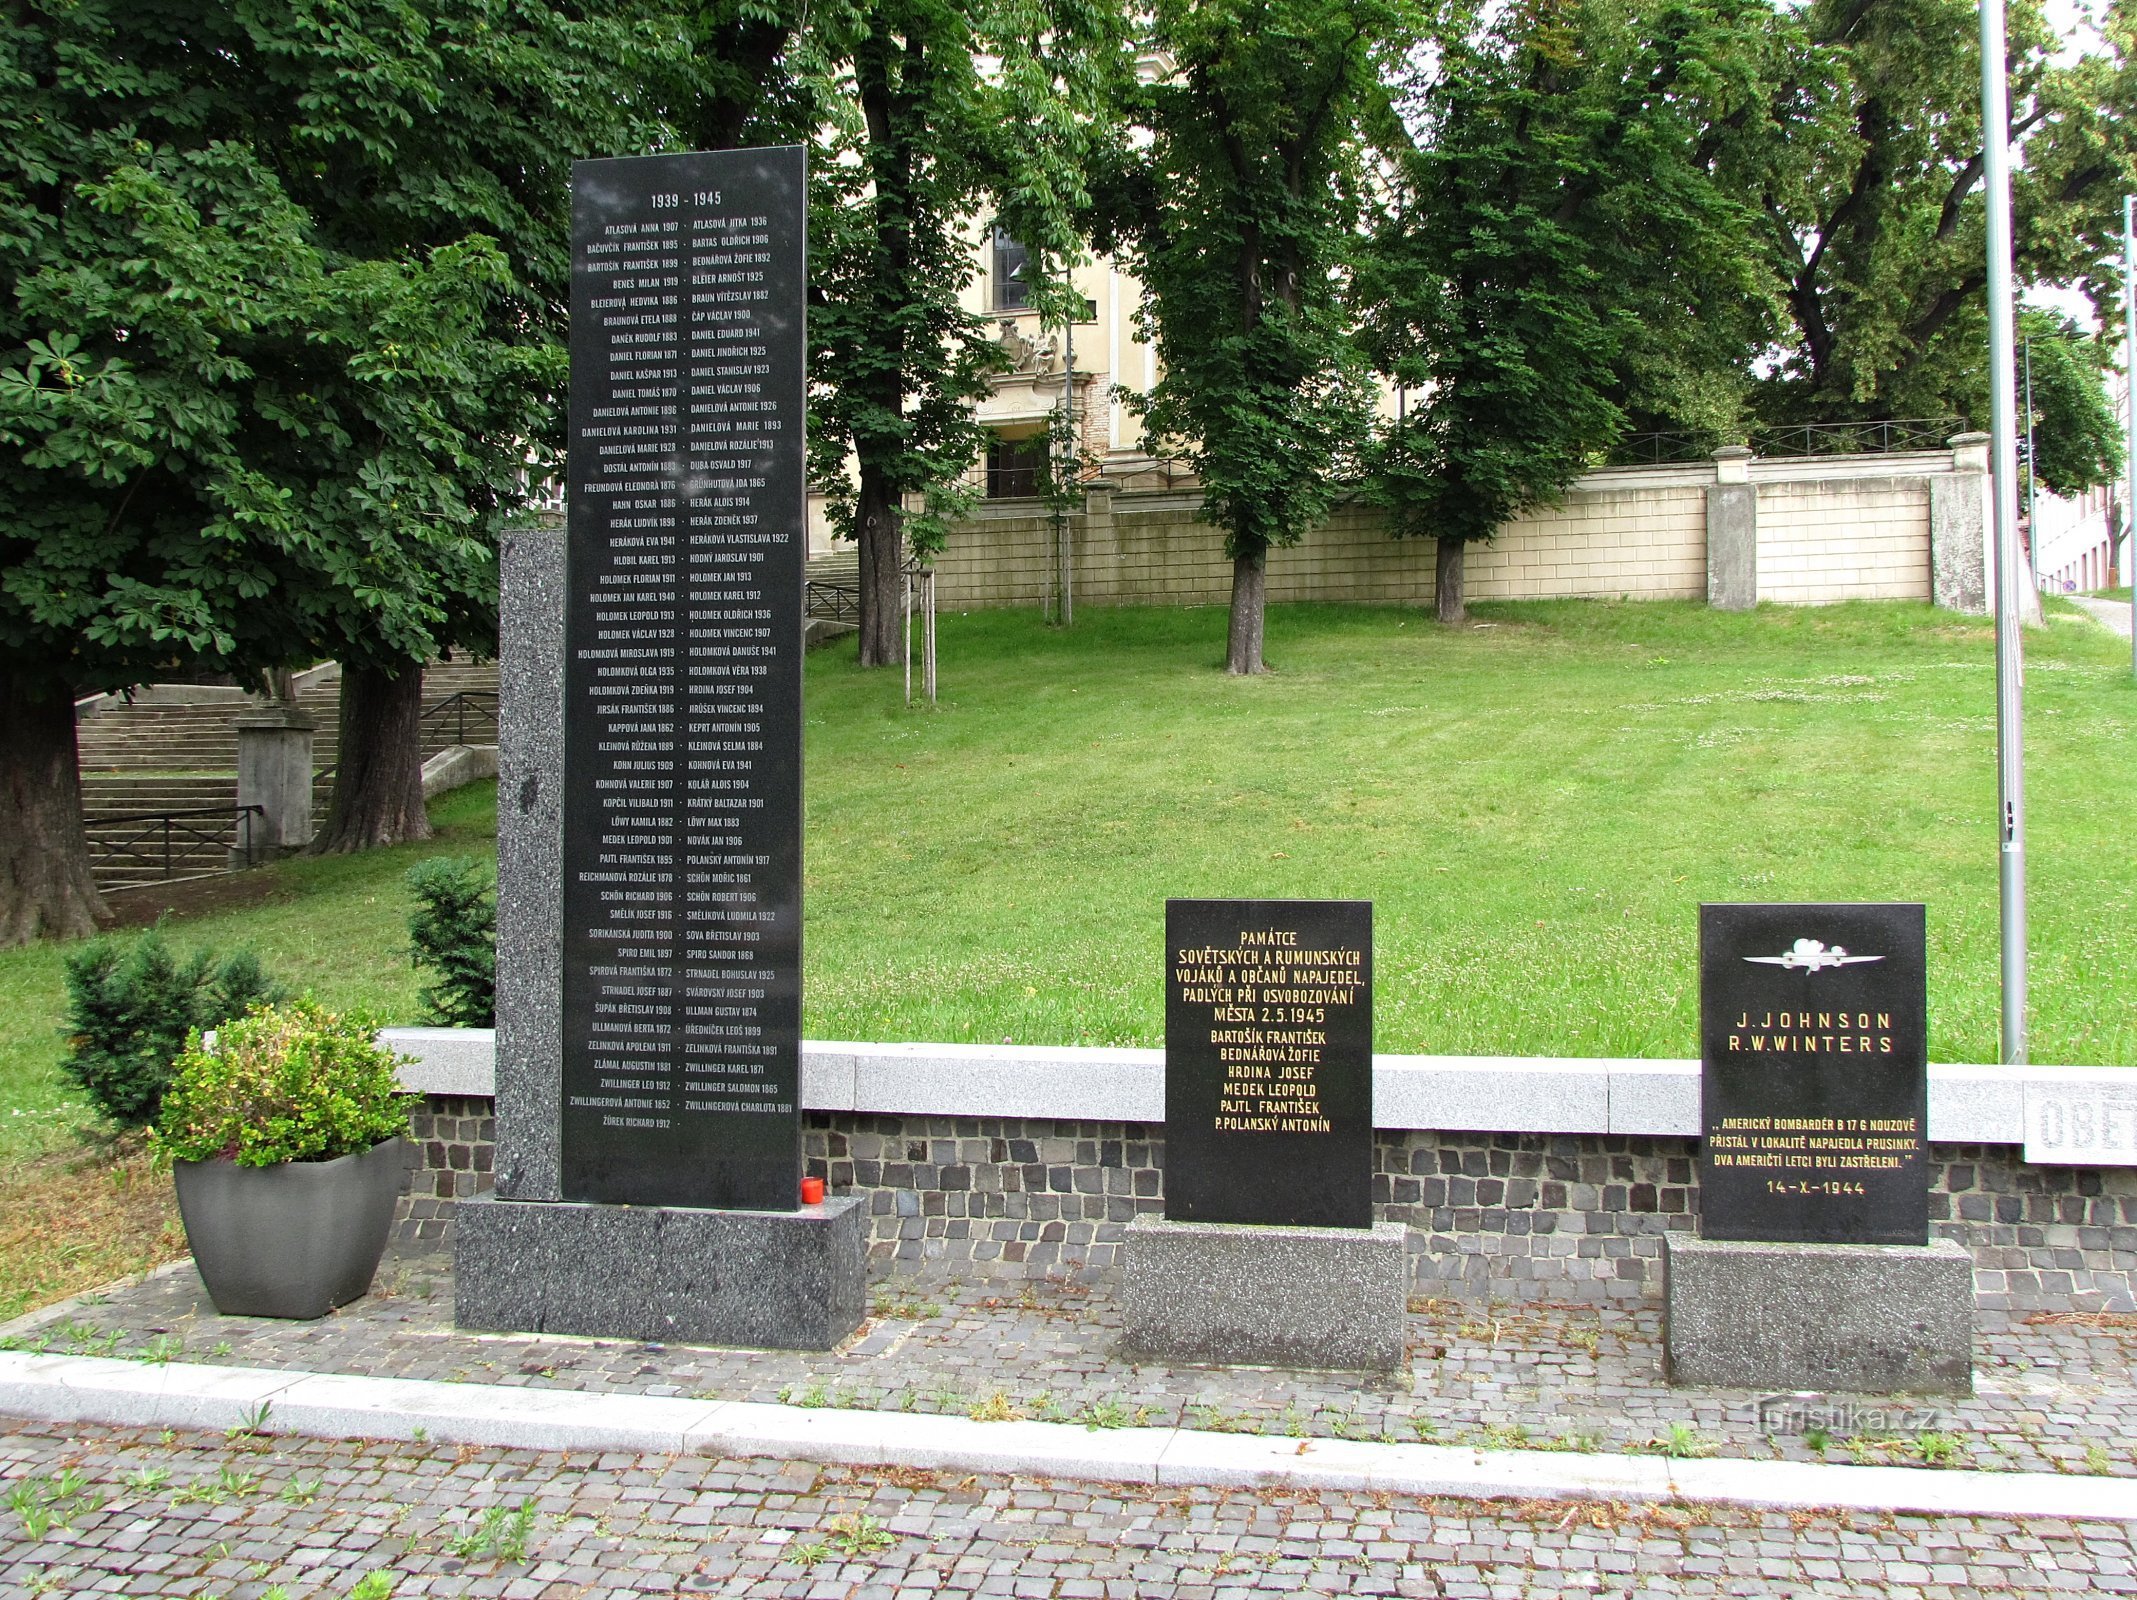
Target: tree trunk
(1447, 581)
(878, 521)
(378, 773)
(46, 886)
(1250, 587)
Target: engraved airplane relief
(1811, 955)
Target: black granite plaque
(1269, 1062)
(1814, 1057)
(682, 680)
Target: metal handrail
(1881, 437)
(119, 851)
(833, 602)
(458, 703)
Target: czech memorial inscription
(682, 724)
(1814, 1073)
(1269, 1062)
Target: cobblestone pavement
(122, 1512)
(2053, 1392)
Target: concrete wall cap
(1651, 1097)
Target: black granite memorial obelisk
(649, 987)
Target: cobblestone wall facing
(1516, 1217)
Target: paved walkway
(2111, 614)
(95, 1511)
(2054, 1393)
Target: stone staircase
(144, 764)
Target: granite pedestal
(777, 1280)
(1854, 1318)
(1265, 1296)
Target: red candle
(812, 1191)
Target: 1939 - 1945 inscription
(1269, 1062)
(682, 726)
(1814, 1073)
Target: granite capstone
(1264, 1295)
(1851, 1318)
(772, 1279)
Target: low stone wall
(1507, 1216)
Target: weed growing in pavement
(2097, 1461)
(900, 1299)
(813, 1398)
(997, 1407)
(1817, 1440)
(856, 1535)
(1938, 1449)
(1680, 1441)
(300, 1491)
(500, 1535)
(1111, 1414)
(1425, 1428)
(43, 1503)
(161, 1350)
(148, 1479)
(251, 1422)
(373, 1586)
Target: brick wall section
(456, 1143)
(1153, 550)
(1507, 1216)
(1844, 540)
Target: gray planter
(290, 1241)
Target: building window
(1015, 468)
(1012, 272)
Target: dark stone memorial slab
(649, 824)
(1269, 1062)
(1814, 1076)
(1814, 1270)
(682, 682)
(1268, 1252)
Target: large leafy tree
(939, 113)
(280, 297)
(1562, 256)
(1873, 201)
(1239, 208)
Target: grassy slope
(336, 926)
(1535, 807)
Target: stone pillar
(530, 861)
(1732, 532)
(274, 772)
(1960, 528)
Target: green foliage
(130, 1008)
(1563, 253)
(914, 140)
(453, 934)
(1873, 195)
(1239, 211)
(292, 1082)
(2077, 438)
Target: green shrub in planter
(453, 933)
(286, 1145)
(131, 1007)
(291, 1082)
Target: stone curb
(64, 1389)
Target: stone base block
(670, 1275)
(1265, 1296)
(1858, 1318)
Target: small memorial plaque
(1814, 1074)
(682, 680)
(1269, 1062)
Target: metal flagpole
(2003, 458)
(2129, 406)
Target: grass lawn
(1536, 805)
